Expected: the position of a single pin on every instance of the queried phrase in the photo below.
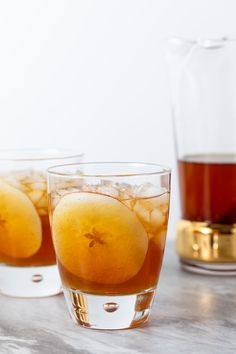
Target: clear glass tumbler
(203, 86)
(109, 223)
(27, 257)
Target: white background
(91, 74)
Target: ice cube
(160, 238)
(90, 188)
(125, 191)
(35, 195)
(108, 190)
(149, 203)
(164, 200)
(147, 190)
(142, 213)
(157, 219)
(130, 203)
(43, 202)
(38, 186)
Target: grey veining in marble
(191, 314)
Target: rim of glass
(202, 40)
(58, 169)
(38, 154)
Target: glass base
(29, 281)
(109, 312)
(222, 269)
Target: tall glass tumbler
(27, 257)
(203, 93)
(109, 223)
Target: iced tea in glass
(109, 224)
(27, 254)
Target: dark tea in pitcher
(208, 188)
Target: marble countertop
(191, 314)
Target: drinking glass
(203, 87)
(109, 223)
(27, 257)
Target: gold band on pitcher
(204, 242)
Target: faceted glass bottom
(109, 312)
(29, 281)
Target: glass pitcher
(203, 95)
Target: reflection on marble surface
(191, 314)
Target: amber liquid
(33, 184)
(45, 254)
(208, 188)
(147, 276)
